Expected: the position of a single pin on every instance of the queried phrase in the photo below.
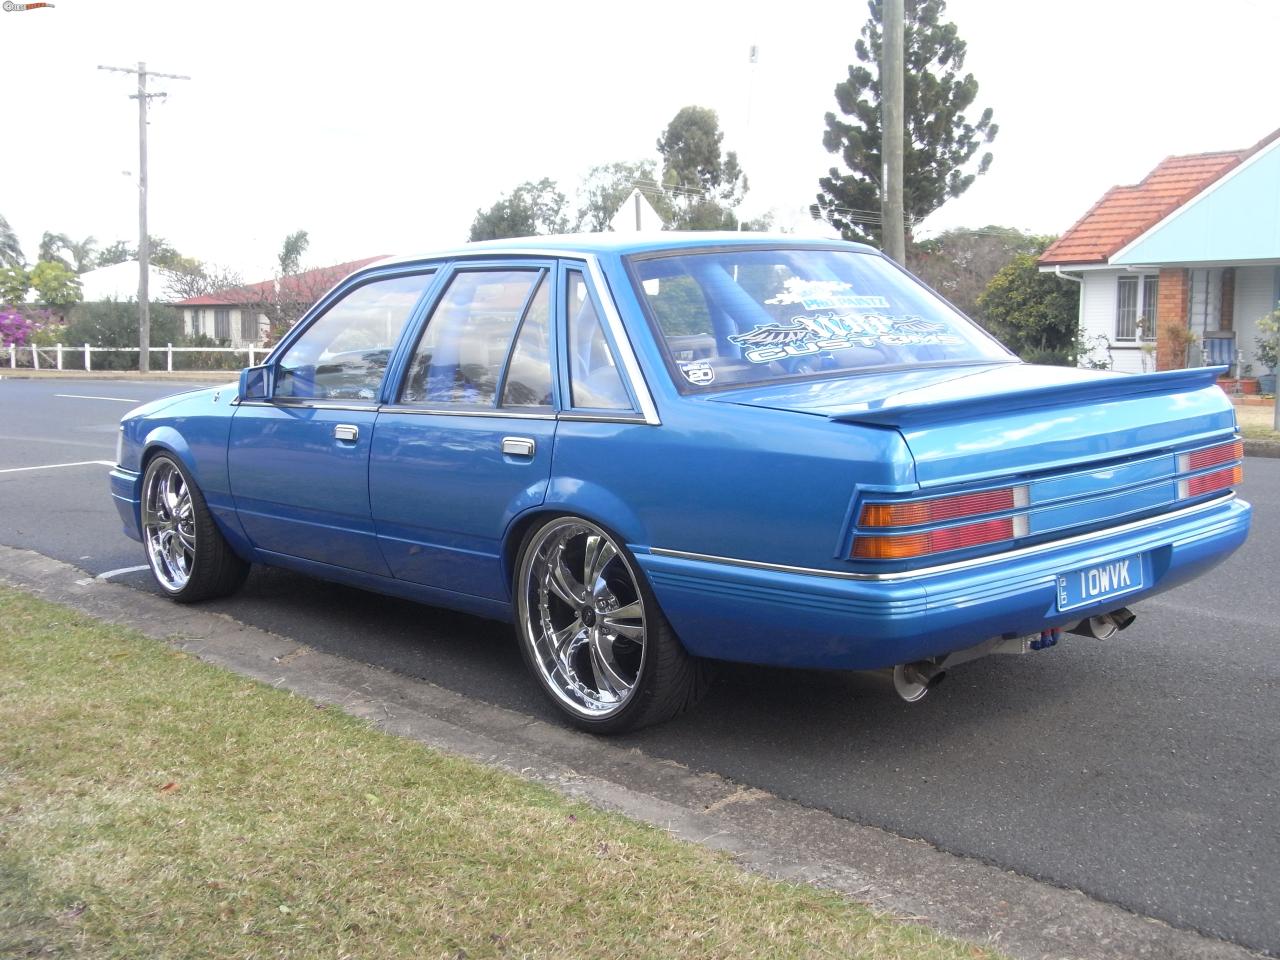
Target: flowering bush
(16, 328)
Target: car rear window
(750, 316)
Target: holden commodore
(654, 453)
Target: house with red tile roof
(1177, 270)
(242, 316)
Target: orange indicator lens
(1218, 480)
(937, 541)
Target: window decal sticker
(698, 372)
(825, 295)
(804, 336)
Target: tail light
(905, 545)
(1229, 476)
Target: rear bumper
(125, 495)
(761, 614)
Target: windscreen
(749, 316)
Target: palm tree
(82, 253)
(10, 249)
(51, 244)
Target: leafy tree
(960, 263)
(606, 186)
(161, 253)
(14, 284)
(531, 209)
(56, 286)
(1036, 315)
(295, 245)
(118, 252)
(704, 185)
(10, 248)
(939, 142)
(203, 280)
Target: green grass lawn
(155, 806)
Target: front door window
(343, 355)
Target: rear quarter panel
(727, 480)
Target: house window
(222, 324)
(195, 322)
(1136, 307)
(248, 326)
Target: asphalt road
(1144, 771)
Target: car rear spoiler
(1116, 387)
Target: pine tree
(940, 141)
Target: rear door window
(463, 352)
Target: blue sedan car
(651, 453)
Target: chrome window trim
(501, 413)
(949, 567)
(626, 354)
(497, 413)
(285, 404)
(576, 417)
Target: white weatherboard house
(1194, 247)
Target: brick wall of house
(1171, 319)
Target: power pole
(892, 223)
(144, 240)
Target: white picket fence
(54, 356)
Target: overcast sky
(381, 127)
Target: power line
(144, 240)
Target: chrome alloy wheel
(168, 524)
(582, 616)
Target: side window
(464, 348)
(528, 382)
(343, 354)
(594, 380)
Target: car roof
(628, 243)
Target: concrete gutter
(966, 898)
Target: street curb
(962, 897)
(1262, 448)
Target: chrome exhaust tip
(1104, 626)
(913, 681)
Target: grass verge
(155, 806)
(1256, 422)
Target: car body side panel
(300, 489)
(443, 492)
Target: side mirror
(255, 383)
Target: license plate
(1088, 585)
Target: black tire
(189, 557)
(664, 679)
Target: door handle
(518, 446)
(346, 431)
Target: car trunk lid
(966, 424)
